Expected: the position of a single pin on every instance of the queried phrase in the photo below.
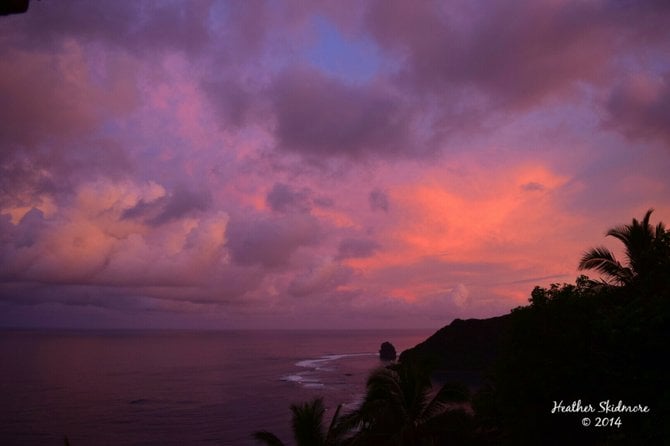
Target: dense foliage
(585, 342)
(581, 346)
(589, 342)
(401, 408)
(308, 428)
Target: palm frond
(647, 215)
(621, 232)
(644, 252)
(307, 422)
(594, 256)
(602, 260)
(334, 432)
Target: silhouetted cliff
(464, 347)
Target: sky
(291, 164)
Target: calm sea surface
(176, 387)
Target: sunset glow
(281, 164)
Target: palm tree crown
(401, 409)
(643, 244)
(307, 425)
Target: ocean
(177, 387)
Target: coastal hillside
(464, 346)
(580, 363)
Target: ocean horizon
(171, 387)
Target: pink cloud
(197, 163)
(54, 94)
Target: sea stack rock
(387, 352)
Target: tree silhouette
(13, 7)
(307, 426)
(400, 409)
(645, 249)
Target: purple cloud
(319, 117)
(517, 53)
(320, 279)
(379, 200)
(269, 243)
(234, 160)
(356, 248)
(640, 108)
(133, 26)
(180, 203)
(284, 198)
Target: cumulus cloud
(318, 116)
(320, 279)
(49, 95)
(179, 203)
(90, 243)
(241, 165)
(516, 53)
(269, 242)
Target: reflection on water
(175, 387)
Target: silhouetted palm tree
(400, 409)
(641, 242)
(307, 425)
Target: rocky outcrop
(387, 352)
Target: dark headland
(462, 351)
(580, 363)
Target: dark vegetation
(8, 7)
(308, 427)
(462, 351)
(587, 342)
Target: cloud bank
(280, 164)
